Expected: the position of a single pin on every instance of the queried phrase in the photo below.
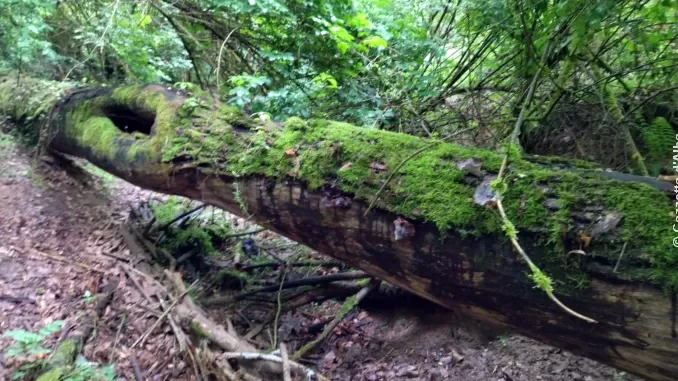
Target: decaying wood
(480, 276)
(309, 281)
(183, 311)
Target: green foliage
(87, 371)
(30, 343)
(389, 64)
(88, 298)
(659, 139)
(499, 186)
(245, 87)
(23, 45)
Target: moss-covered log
(313, 181)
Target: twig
(66, 260)
(350, 303)
(415, 153)
(186, 256)
(134, 280)
(138, 374)
(143, 337)
(271, 254)
(148, 227)
(219, 57)
(111, 357)
(256, 231)
(620, 257)
(178, 332)
(116, 256)
(16, 299)
(292, 264)
(316, 280)
(182, 215)
(197, 366)
(287, 376)
(279, 306)
(264, 357)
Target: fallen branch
(348, 305)
(143, 337)
(287, 376)
(292, 264)
(310, 281)
(242, 234)
(308, 372)
(66, 260)
(189, 315)
(16, 299)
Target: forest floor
(59, 243)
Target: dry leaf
(379, 167)
(346, 166)
(586, 239)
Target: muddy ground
(59, 242)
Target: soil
(60, 245)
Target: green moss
(197, 330)
(167, 211)
(541, 280)
(646, 226)
(97, 133)
(430, 187)
(348, 305)
(233, 116)
(65, 353)
(190, 237)
(295, 124)
(52, 375)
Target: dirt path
(47, 214)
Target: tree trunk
(314, 182)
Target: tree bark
(314, 181)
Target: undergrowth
(27, 348)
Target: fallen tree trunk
(606, 244)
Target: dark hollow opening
(130, 120)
